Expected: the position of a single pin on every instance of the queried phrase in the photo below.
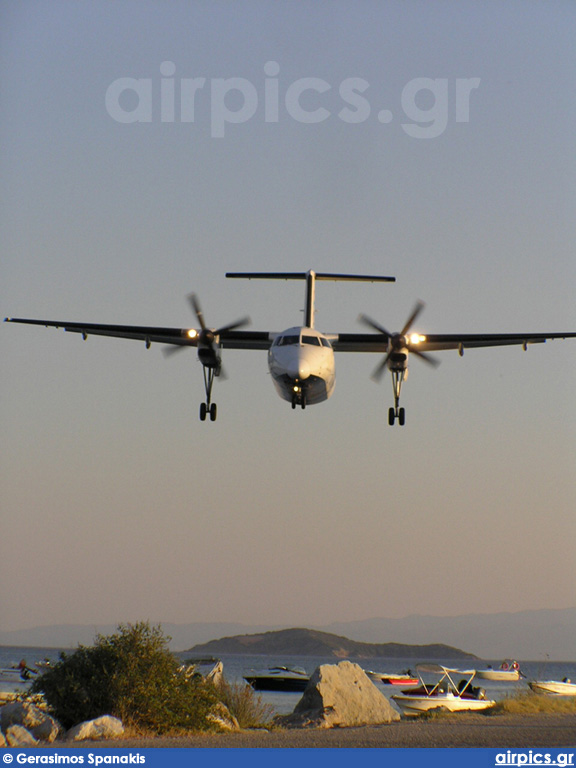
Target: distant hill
(537, 634)
(542, 634)
(312, 642)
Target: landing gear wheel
(213, 412)
(203, 411)
(391, 416)
(401, 417)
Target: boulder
(216, 674)
(340, 695)
(105, 727)
(41, 725)
(3, 742)
(18, 736)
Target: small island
(312, 642)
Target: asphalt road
(464, 730)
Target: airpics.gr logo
(428, 103)
(533, 757)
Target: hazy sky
(431, 141)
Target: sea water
(235, 666)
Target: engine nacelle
(209, 357)
(398, 360)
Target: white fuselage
(301, 363)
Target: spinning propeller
(398, 342)
(207, 336)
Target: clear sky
(430, 141)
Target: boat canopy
(439, 669)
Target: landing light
(416, 338)
(192, 333)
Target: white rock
(18, 736)
(340, 695)
(216, 674)
(105, 727)
(39, 723)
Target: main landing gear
(208, 407)
(396, 413)
(398, 377)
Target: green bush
(132, 675)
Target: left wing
(186, 337)
(374, 342)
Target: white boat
(15, 681)
(10, 675)
(445, 694)
(508, 671)
(554, 687)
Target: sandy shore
(464, 730)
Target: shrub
(528, 703)
(244, 704)
(132, 675)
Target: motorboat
(15, 681)
(17, 673)
(402, 678)
(10, 675)
(445, 694)
(278, 679)
(554, 687)
(508, 671)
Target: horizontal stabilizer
(304, 275)
(310, 278)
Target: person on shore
(25, 671)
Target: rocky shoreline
(458, 730)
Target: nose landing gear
(298, 398)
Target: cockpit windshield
(282, 341)
(306, 338)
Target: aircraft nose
(299, 370)
(303, 370)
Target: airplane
(301, 358)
